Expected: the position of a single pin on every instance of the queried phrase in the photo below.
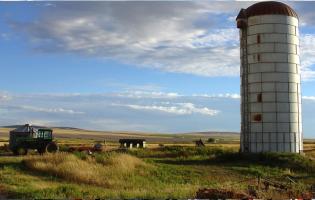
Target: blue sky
(137, 66)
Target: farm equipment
(89, 150)
(27, 137)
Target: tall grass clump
(295, 162)
(179, 152)
(66, 166)
(106, 171)
(122, 162)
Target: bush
(64, 148)
(211, 140)
(81, 154)
(4, 148)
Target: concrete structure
(130, 143)
(270, 79)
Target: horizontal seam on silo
(248, 26)
(251, 44)
(277, 62)
(285, 24)
(249, 54)
(264, 33)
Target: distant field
(79, 136)
(60, 133)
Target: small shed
(130, 143)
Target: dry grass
(123, 162)
(109, 133)
(103, 172)
(311, 154)
(122, 176)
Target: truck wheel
(21, 151)
(52, 147)
(41, 150)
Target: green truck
(27, 137)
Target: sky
(167, 67)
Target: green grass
(181, 152)
(168, 172)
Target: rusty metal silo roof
(267, 8)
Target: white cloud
(307, 56)
(4, 96)
(176, 108)
(151, 111)
(173, 36)
(224, 95)
(129, 94)
(53, 110)
(147, 94)
(191, 108)
(312, 98)
(109, 111)
(170, 95)
(197, 38)
(46, 110)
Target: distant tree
(211, 140)
(161, 145)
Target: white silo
(270, 79)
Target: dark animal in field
(199, 143)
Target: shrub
(123, 162)
(211, 140)
(81, 154)
(64, 148)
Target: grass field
(168, 172)
(175, 170)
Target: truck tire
(52, 147)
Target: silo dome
(270, 79)
(270, 8)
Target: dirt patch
(208, 193)
(3, 193)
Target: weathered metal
(270, 79)
(270, 8)
(90, 150)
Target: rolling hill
(76, 133)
